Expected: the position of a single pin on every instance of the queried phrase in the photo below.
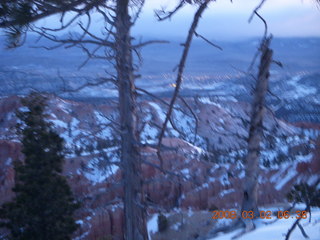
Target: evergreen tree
(43, 205)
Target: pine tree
(43, 206)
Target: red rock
(160, 188)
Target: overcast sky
(224, 20)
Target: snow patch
(98, 175)
(152, 225)
(160, 113)
(278, 229)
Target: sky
(224, 20)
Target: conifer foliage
(43, 206)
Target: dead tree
(19, 17)
(162, 15)
(135, 219)
(250, 186)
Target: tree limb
(181, 70)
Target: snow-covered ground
(279, 229)
(272, 230)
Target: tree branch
(181, 70)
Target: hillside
(209, 161)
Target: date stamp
(260, 215)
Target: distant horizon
(181, 38)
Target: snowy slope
(265, 229)
(212, 159)
(278, 230)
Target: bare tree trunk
(134, 211)
(250, 193)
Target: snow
(8, 162)
(152, 225)
(276, 176)
(148, 134)
(185, 172)
(80, 222)
(75, 130)
(64, 106)
(176, 226)
(24, 109)
(101, 118)
(190, 212)
(290, 175)
(313, 179)
(304, 158)
(197, 149)
(205, 185)
(59, 123)
(278, 230)
(205, 100)
(211, 179)
(223, 179)
(161, 115)
(225, 192)
(297, 89)
(10, 116)
(96, 174)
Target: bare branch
(265, 24)
(148, 43)
(208, 41)
(63, 26)
(168, 15)
(262, 41)
(135, 18)
(180, 71)
(255, 10)
(71, 41)
(89, 84)
(294, 226)
(195, 118)
(152, 95)
(278, 63)
(89, 56)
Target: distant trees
(43, 205)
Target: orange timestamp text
(262, 214)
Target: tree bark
(134, 212)
(250, 188)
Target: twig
(255, 10)
(148, 43)
(208, 41)
(169, 14)
(302, 231)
